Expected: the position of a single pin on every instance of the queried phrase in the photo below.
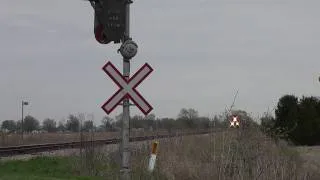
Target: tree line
(187, 118)
(295, 119)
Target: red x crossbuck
(127, 88)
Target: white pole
(153, 157)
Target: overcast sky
(202, 51)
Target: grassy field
(242, 154)
(15, 139)
(40, 168)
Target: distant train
(234, 122)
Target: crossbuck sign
(127, 88)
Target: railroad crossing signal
(110, 18)
(127, 88)
(114, 19)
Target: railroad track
(36, 148)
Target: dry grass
(242, 154)
(311, 159)
(228, 155)
(15, 139)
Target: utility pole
(125, 132)
(23, 103)
(22, 122)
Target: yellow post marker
(153, 156)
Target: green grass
(41, 168)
